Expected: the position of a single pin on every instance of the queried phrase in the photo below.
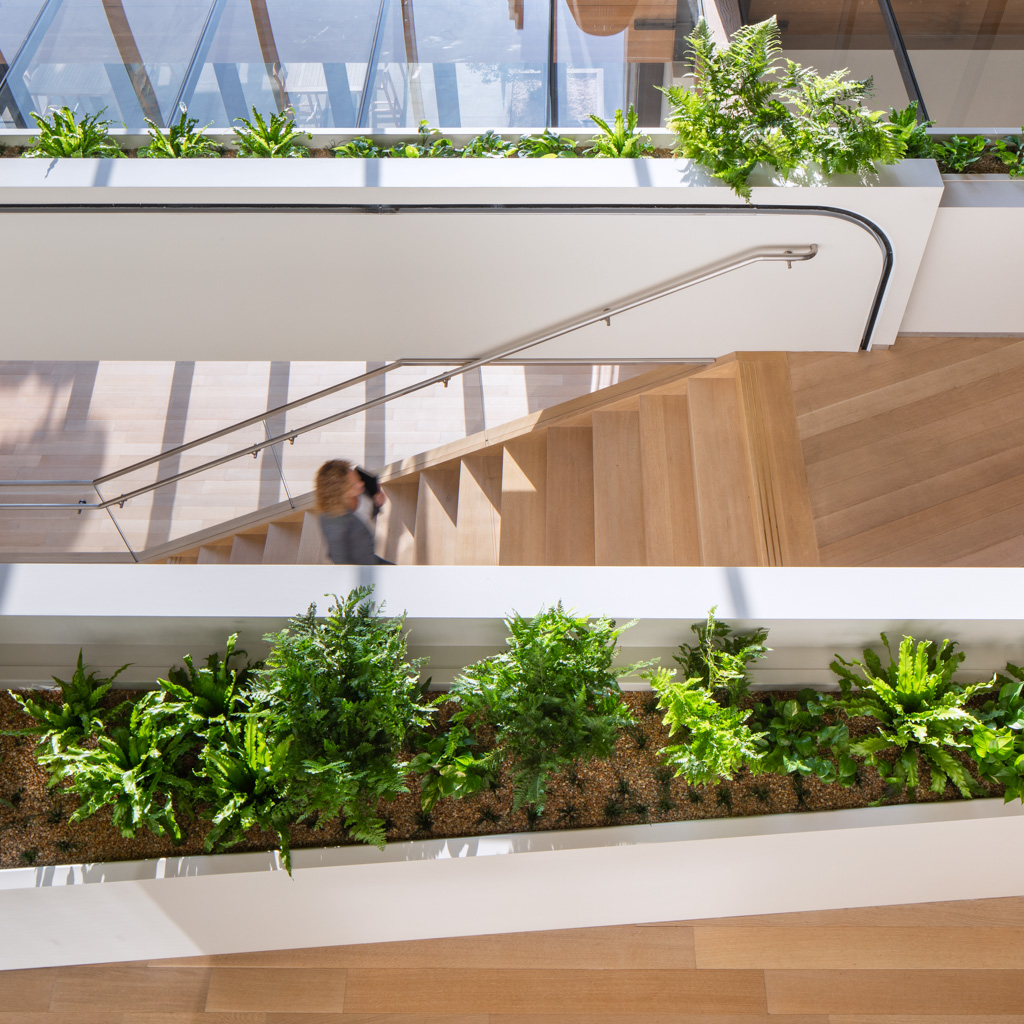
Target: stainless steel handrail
(761, 255)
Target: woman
(349, 536)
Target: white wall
(346, 285)
(969, 281)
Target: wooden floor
(938, 963)
(915, 455)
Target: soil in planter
(629, 789)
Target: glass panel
(590, 58)
(837, 35)
(968, 56)
(16, 17)
(461, 63)
(128, 58)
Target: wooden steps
(694, 465)
(701, 467)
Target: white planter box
(139, 910)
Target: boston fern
(720, 658)
(921, 712)
(551, 698)
(345, 693)
(701, 709)
(749, 106)
(216, 690)
(714, 738)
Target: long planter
(137, 910)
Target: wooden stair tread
(524, 502)
(670, 509)
(570, 496)
(479, 510)
(619, 537)
(724, 487)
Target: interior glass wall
(474, 64)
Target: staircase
(693, 465)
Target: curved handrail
(774, 254)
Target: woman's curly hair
(334, 489)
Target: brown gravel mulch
(631, 788)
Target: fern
(545, 144)
(182, 141)
(132, 769)
(750, 107)
(719, 659)
(62, 135)
(345, 693)
(275, 138)
(920, 709)
(80, 713)
(621, 141)
(716, 740)
(550, 699)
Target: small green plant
(217, 690)
(999, 741)
(720, 658)
(695, 796)
(920, 709)
(613, 810)
(714, 741)
(913, 132)
(133, 769)
(638, 735)
(29, 856)
(79, 714)
(62, 135)
(550, 699)
(958, 153)
(622, 140)
(804, 734)
(666, 804)
(183, 140)
(277, 137)
(431, 144)
(568, 814)
(761, 793)
(361, 148)
(424, 821)
(489, 144)
(489, 816)
(247, 783)
(64, 845)
(1010, 150)
(723, 794)
(546, 144)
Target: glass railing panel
(969, 60)
(831, 36)
(16, 18)
(127, 58)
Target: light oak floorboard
(1005, 911)
(621, 947)
(130, 987)
(490, 991)
(854, 948)
(31, 990)
(867, 992)
(315, 990)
